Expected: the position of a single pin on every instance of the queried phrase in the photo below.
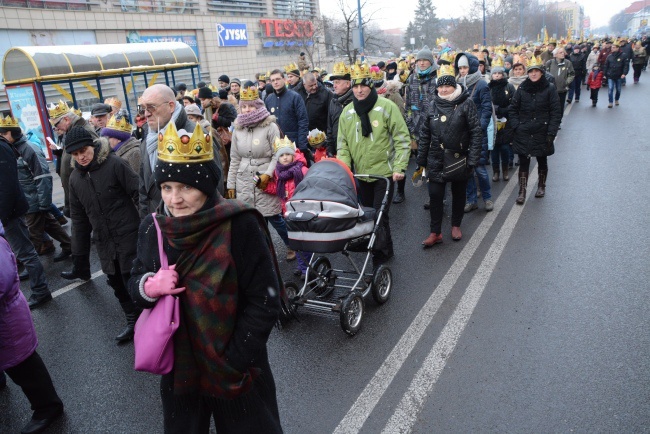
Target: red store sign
(287, 28)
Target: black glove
(550, 140)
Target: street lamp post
(360, 30)
(484, 31)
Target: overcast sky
(398, 13)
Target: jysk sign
(232, 35)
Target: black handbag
(454, 165)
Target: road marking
(72, 286)
(406, 413)
(376, 387)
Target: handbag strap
(161, 251)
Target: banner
(232, 35)
(136, 37)
(22, 101)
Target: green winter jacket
(385, 151)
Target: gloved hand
(162, 283)
(264, 181)
(550, 140)
(230, 194)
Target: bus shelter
(85, 74)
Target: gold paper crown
(404, 75)
(291, 68)
(57, 110)
(360, 71)
(552, 41)
(440, 41)
(249, 94)
(8, 122)
(497, 61)
(113, 102)
(173, 148)
(403, 65)
(283, 143)
(340, 69)
(119, 125)
(377, 75)
(447, 56)
(446, 70)
(535, 62)
(317, 138)
(263, 76)
(77, 112)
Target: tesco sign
(287, 28)
(232, 35)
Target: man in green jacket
(373, 139)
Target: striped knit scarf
(209, 303)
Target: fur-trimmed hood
(102, 149)
(263, 123)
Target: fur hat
(426, 54)
(205, 92)
(77, 138)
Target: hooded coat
(103, 200)
(535, 113)
(502, 93)
(251, 152)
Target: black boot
(131, 312)
(523, 182)
(399, 194)
(541, 184)
(80, 268)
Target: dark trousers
(562, 96)
(119, 282)
(32, 376)
(371, 195)
(17, 235)
(594, 95)
(256, 412)
(637, 71)
(575, 86)
(437, 195)
(42, 222)
(524, 163)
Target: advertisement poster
(136, 37)
(22, 101)
(232, 35)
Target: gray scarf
(152, 137)
(470, 79)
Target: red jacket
(595, 80)
(290, 185)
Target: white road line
(422, 384)
(72, 286)
(374, 390)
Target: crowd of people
(213, 166)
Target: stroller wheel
(320, 269)
(352, 310)
(289, 309)
(382, 283)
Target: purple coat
(17, 334)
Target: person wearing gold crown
(103, 201)
(374, 140)
(342, 97)
(452, 129)
(252, 162)
(293, 78)
(535, 115)
(118, 133)
(224, 271)
(501, 92)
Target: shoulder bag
(454, 166)
(155, 328)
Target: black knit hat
(205, 92)
(446, 80)
(224, 78)
(77, 138)
(202, 176)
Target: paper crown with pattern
(359, 71)
(497, 61)
(376, 74)
(179, 147)
(403, 65)
(446, 70)
(340, 70)
(121, 124)
(77, 112)
(114, 102)
(441, 41)
(264, 76)
(316, 137)
(535, 62)
(291, 68)
(55, 111)
(8, 122)
(249, 94)
(284, 142)
(448, 56)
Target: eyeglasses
(56, 124)
(151, 108)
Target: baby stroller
(324, 216)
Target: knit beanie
(236, 80)
(122, 136)
(426, 54)
(500, 69)
(463, 61)
(446, 80)
(224, 78)
(286, 149)
(508, 59)
(223, 94)
(205, 92)
(202, 176)
(77, 138)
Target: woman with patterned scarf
(225, 274)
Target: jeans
(483, 183)
(575, 86)
(280, 226)
(501, 154)
(17, 235)
(55, 211)
(611, 82)
(437, 195)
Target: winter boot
(495, 176)
(541, 184)
(523, 182)
(131, 312)
(506, 174)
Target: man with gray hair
(317, 100)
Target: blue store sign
(232, 35)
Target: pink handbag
(154, 330)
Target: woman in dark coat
(103, 198)
(452, 124)
(502, 92)
(225, 275)
(535, 115)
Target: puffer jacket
(417, 100)
(502, 93)
(289, 109)
(17, 335)
(535, 113)
(617, 64)
(290, 185)
(562, 72)
(12, 200)
(130, 152)
(103, 200)
(251, 152)
(461, 129)
(333, 114)
(579, 62)
(385, 151)
(34, 175)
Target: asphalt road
(537, 321)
